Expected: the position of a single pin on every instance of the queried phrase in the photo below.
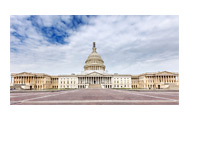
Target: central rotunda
(94, 62)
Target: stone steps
(172, 86)
(94, 86)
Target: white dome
(94, 61)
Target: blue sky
(60, 44)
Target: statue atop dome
(94, 48)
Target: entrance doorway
(158, 86)
(94, 82)
(30, 87)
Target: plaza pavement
(95, 97)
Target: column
(106, 80)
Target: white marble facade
(94, 73)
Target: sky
(60, 44)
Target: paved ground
(95, 97)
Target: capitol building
(95, 76)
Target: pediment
(94, 74)
(165, 73)
(25, 74)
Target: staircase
(172, 86)
(17, 86)
(94, 86)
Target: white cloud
(127, 44)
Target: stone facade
(95, 74)
(67, 81)
(155, 80)
(121, 81)
(33, 80)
